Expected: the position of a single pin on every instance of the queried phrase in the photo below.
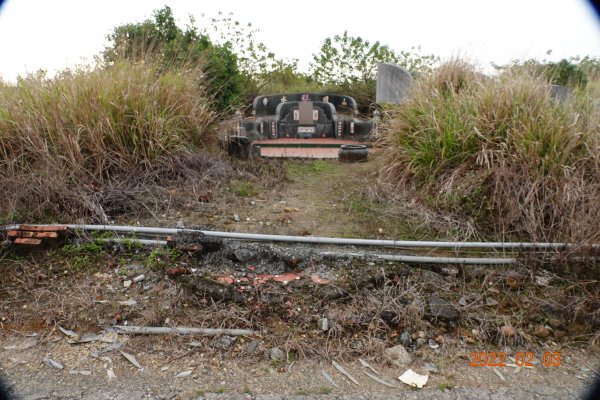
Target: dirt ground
(284, 293)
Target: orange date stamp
(522, 359)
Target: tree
(574, 72)
(346, 59)
(174, 47)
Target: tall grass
(92, 126)
(500, 151)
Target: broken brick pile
(37, 235)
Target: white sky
(51, 35)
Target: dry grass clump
(68, 137)
(500, 151)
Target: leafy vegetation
(574, 72)
(187, 48)
(243, 188)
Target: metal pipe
(431, 260)
(328, 240)
(146, 242)
(387, 257)
(324, 240)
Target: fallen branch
(151, 330)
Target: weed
(243, 188)
(247, 390)
(309, 168)
(302, 392)
(160, 258)
(325, 390)
(292, 356)
(445, 386)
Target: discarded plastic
(411, 378)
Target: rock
(554, 323)
(243, 255)
(430, 367)
(421, 342)
(252, 346)
(433, 278)
(397, 356)
(541, 331)
(225, 342)
(405, 339)
(276, 354)
(560, 334)
(236, 218)
(491, 302)
(507, 331)
(389, 317)
(442, 309)
(323, 324)
(127, 284)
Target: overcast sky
(51, 35)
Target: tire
(353, 153)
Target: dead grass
(498, 153)
(93, 138)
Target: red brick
(48, 235)
(20, 234)
(34, 242)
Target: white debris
(53, 364)
(411, 378)
(131, 359)
(499, 374)
(367, 365)
(329, 378)
(343, 371)
(127, 303)
(183, 374)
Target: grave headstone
(560, 93)
(306, 112)
(393, 83)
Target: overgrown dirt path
(369, 306)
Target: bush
(90, 127)
(500, 151)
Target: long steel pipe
(387, 257)
(323, 240)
